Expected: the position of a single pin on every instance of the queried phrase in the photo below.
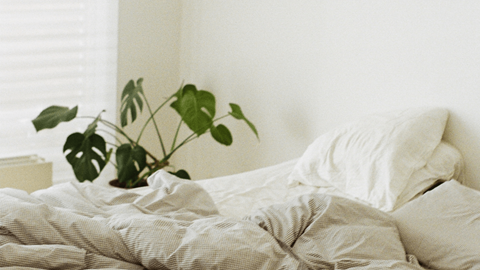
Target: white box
(29, 173)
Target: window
(55, 52)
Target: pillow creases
(374, 158)
(446, 163)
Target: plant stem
(117, 129)
(176, 135)
(110, 125)
(120, 131)
(112, 144)
(221, 117)
(151, 118)
(111, 134)
(185, 141)
(189, 138)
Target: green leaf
(238, 114)
(131, 98)
(87, 155)
(54, 115)
(206, 102)
(181, 174)
(221, 134)
(197, 108)
(130, 162)
(178, 95)
(92, 126)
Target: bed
(360, 197)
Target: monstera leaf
(238, 114)
(54, 115)
(131, 98)
(83, 152)
(87, 152)
(130, 162)
(197, 108)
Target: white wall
(149, 46)
(299, 68)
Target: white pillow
(373, 159)
(446, 163)
(442, 227)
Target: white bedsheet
(239, 194)
(176, 225)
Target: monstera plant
(88, 153)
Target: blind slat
(54, 52)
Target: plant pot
(116, 183)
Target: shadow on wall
(466, 138)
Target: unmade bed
(358, 198)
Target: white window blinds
(55, 52)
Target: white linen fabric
(239, 194)
(174, 226)
(446, 163)
(328, 228)
(374, 158)
(442, 227)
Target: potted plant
(88, 153)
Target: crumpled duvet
(177, 226)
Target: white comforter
(177, 226)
